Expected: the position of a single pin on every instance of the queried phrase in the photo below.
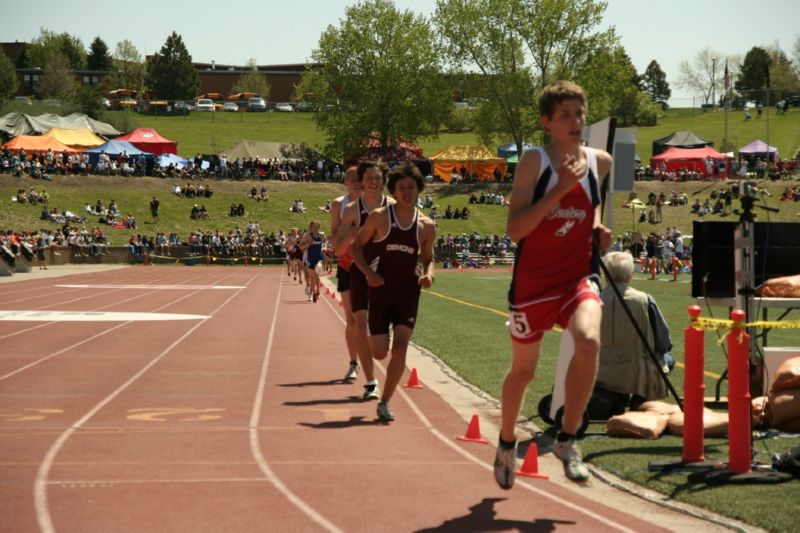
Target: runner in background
(344, 261)
(372, 177)
(313, 241)
(387, 250)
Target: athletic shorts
(529, 323)
(397, 308)
(358, 289)
(342, 279)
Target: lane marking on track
(458, 449)
(255, 444)
(151, 287)
(27, 414)
(40, 502)
(165, 414)
(92, 316)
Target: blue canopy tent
(114, 148)
(166, 160)
(509, 149)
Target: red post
(652, 268)
(145, 258)
(674, 268)
(739, 454)
(245, 260)
(208, 259)
(694, 388)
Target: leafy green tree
(518, 46)
(171, 74)
(127, 69)
(252, 82)
(8, 79)
(655, 82)
(57, 80)
(50, 44)
(86, 99)
(783, 76)
(752, 79)
(610, 81)
(99, 58)
(379, 76)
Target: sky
(286, 32)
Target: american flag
(727, 76)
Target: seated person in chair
(625, 366)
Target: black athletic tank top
(398, 251)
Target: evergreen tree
(8, 78)
(99, 58)
(752, 79)
(655, 82)
(171, 75)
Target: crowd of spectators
(659, 245)
(742, 168)
(191, 191)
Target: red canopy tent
(149, 140)
(690, 159)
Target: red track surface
(238, 422)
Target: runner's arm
(427, 238)
(365, 234)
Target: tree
(99, 58)
(8, 78)
(86, 99)
(752, 77)
(518, 47)
(252, 82)
(49, 44)
(704, 74)
(796, 54)
(127, 69)
(171, 75)
(655, 82)
(783, 76)
(379, 77)
(57, 80)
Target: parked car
(22, 100)
(304, 106)
(230, 106)
(284, 107)
(182, 107)
(204, 104)
(256, 104)
(105, 103)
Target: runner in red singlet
(553, 214)
(344, 261)
(387, 250)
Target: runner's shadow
(483, 518)
(354, 421)
(315, 383)
(337, 401)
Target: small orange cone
(413, 380)
(333, 295)
(473, 432)
(530, 466)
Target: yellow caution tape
(730, 325)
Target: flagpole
(727, 99)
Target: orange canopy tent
(36, 143)
(475, 160)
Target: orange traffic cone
(333, 295)
(413, 380)
(473, 432)
(530, 466)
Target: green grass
(475, 343)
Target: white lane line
(91, 316)
(40, 485)
(452, 444)
(255, 445)
(114, 303)
(151, 287)
(79, 343)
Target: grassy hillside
(133, 196)
(213, 132)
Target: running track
(237, 421)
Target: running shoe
(384, 414)
(570, 455)
(316, 297)
(371, 391)
(308, 290)
(505, 466)
(352, 372)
